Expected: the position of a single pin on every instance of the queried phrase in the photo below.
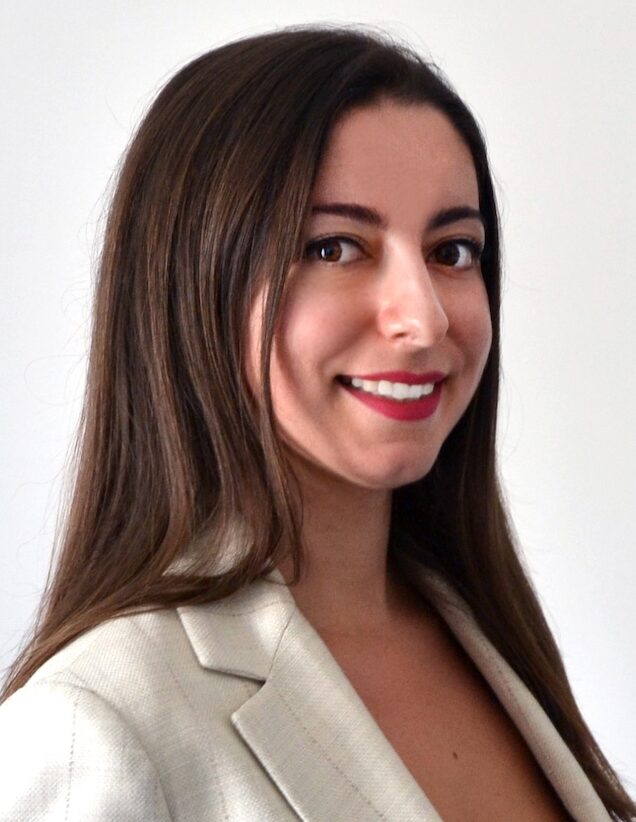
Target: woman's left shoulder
(123, 651)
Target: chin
(389, 471)
(397, 477)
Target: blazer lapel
(553, 755)
(307, 725)
(313, 734)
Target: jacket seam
(81, 686)
(325, 753)
(184, 693)
(71, 763)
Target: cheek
(315, 329)
(473, 326)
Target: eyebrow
(364, 214)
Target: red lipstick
(404, 410)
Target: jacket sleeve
(67, 755)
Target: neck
(348, 586)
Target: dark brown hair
(212, 196)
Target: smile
(400, 391)
(384, 397)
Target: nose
(410, 306)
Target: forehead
(397, 153)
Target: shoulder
(135, 664)
(123, 658)
(68, 754)
(131, 720)
(75, 744)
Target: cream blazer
(232, 711)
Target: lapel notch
(307, 725)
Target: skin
(387, 301)
(391, 301)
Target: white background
(552, 84)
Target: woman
(287, 585)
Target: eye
(329, 249)
(458, 253)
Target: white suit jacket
(232, 711)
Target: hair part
(182, 492)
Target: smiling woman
(286, 585)
(359, 332)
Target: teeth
(395, 390)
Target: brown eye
(458, 254)
(329, 249)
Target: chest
(445, 723)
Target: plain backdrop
(552, 84)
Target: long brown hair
(211, 198)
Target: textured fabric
(232, 711)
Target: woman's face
(389, 291)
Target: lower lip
(397, 410)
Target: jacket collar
(308, 712)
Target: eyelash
(476, 249)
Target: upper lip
(408, 377)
